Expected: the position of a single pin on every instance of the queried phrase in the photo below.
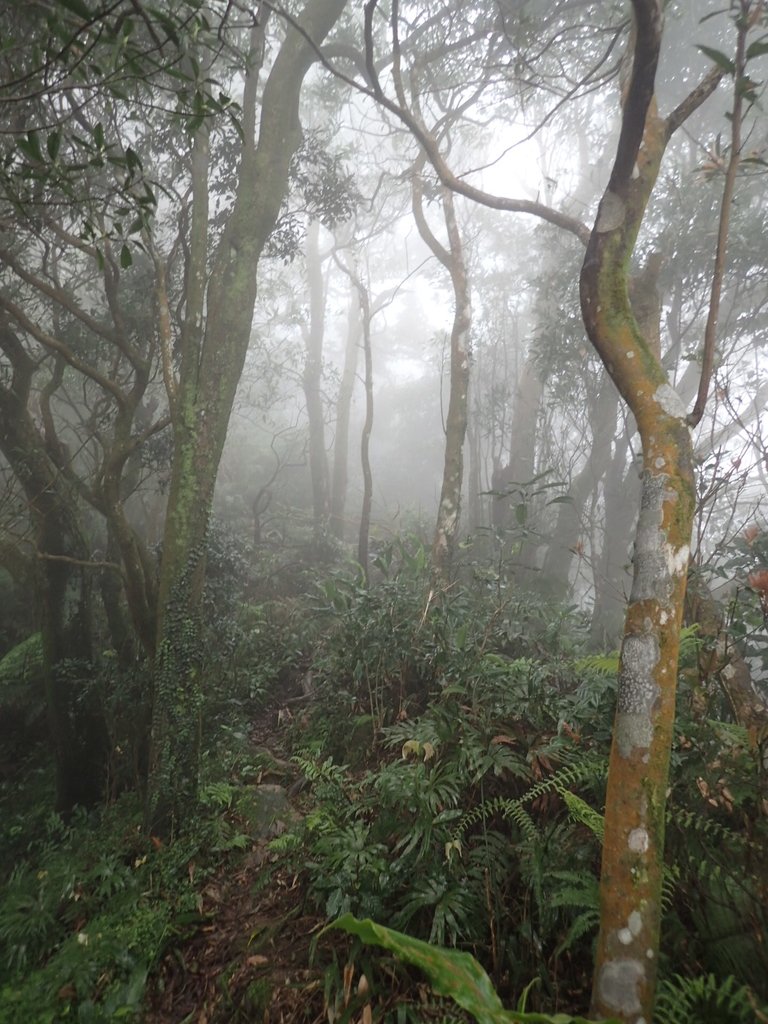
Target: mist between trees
(460, 306)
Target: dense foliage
(445, 757)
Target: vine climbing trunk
(630, 888)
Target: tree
(213, 341)
(633, 850)
(452, 258)
(313, 333)
(632, 863)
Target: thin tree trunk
(311, 381)
(343, 412)
(449, 508)
(621, 499)
(557, 564)
(365, 513)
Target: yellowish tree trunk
(628, 943)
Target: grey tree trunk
(311, 381)
(343, 412)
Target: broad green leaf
(126, 260)
(721, 59)
(453, 974)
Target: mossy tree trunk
(628, 942)
(214, 343)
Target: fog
(436, 200)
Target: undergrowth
(453, 751)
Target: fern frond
(581, 811)
(584, 923)
(600, 664)
(567, 776)
(704, 1000)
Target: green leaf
(30, 147)
(77, 7)
(53, 144)
(721, 59)
(453, 974)
(126, 260)
(757, 49)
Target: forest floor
(252, 956)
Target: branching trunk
(211, 364)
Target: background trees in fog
(316, 270)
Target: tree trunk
(365, 441)
(211, 364)
(311, 382)
(611, 573)
(556, 569)
(633, 849)
(343, 411)
(449, 508)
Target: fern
(580, 811)
(600, 664)
(704, 1000)
(608, 664)
(507, 808)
